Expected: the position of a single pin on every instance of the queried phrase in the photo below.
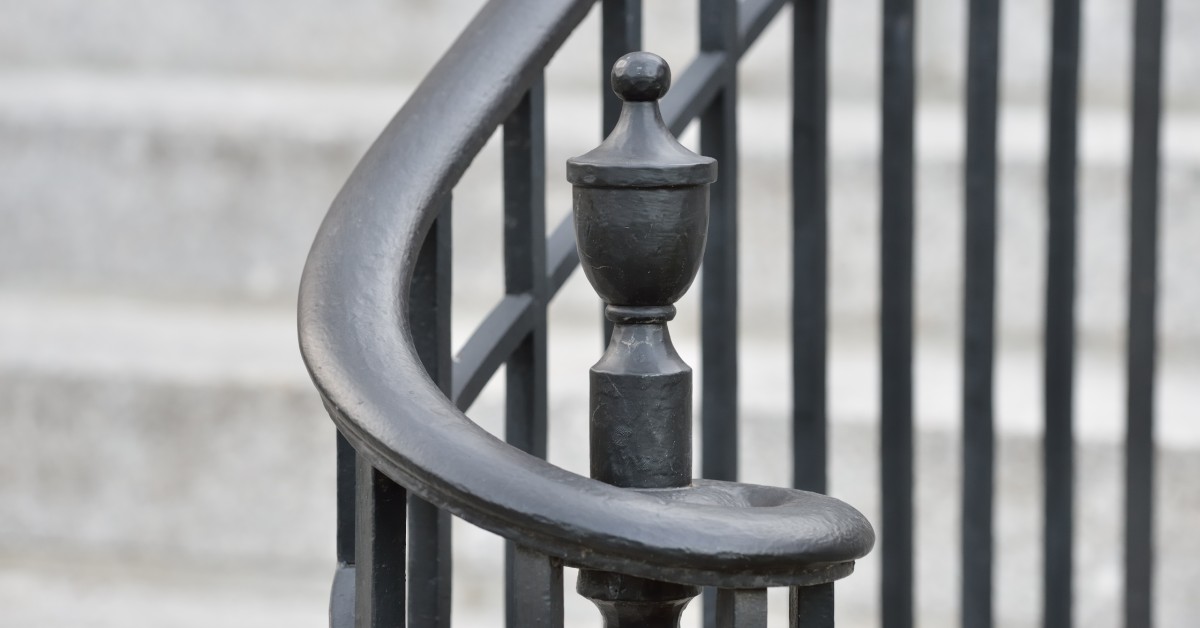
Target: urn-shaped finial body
(641, 198)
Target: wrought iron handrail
(356, 340)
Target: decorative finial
(641, 77)
(641, 221)
(641, 197)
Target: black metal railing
(374, 322)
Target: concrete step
(212, 190)
(62, 591)
(177, 188)
(383, 40)
(55, 587)
(56, 590)
(148, 430)
(167, 429)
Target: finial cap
(641, 77)
(641, 152)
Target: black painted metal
(621, 33)
(896, 312)
(641, 428)
(429, 564)
(341, 597)
(524, 266)
(380, 356)
(1143, 302)
(979, 309)
(719, 286)
(719, 289)
(1059, 369)
(561, 255)
(379, 394)
(692, 91)
(745, 608)
(500, 333)
(753, 17)
(345, 501)
(379, 550)
(641, 217)
(429, 559)
(629, 602)
(811, 607)
(524, 270)
(810, 59)
(537, 595)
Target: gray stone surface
(238, 173)
(43, 589)
(177, 452)
(173, 188)
(390, 40)
(164, 461)
(160, 433)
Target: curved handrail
(354, 336)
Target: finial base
(641, 400)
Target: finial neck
(639, 314)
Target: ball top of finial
(641, 77)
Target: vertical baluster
(718, 139)
(741, 608)
(621, 33)
(896, 312)
(524, 266)
(719, 289)
(524, 271)
(345, 500)
(430, 564)
(1143, 295)
(979, 312)
(429, 555)
(536, 596)
(1059, 370)
(379, 550)
(341, 599)
(811, 607)
(809, 225)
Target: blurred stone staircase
(164, 460)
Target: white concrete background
(164, 461)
